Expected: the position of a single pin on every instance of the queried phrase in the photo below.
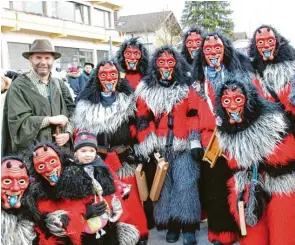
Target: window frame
(24, 7)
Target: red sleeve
(76, 210)
(192, 111)
(144, 120)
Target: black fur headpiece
(64, 158)
(93, 87)
(254, 107)
(232, 61)
(184, 51)
(283, 51)
(181, 70)
(143, 62)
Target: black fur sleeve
(103, 175)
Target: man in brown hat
(37, 104)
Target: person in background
(191, 42)
(73, 79)
(85, 75)
(36, 104)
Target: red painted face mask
(132, 57)
(233, 101)
(266, 43)
(47, 164)
(193, 43)
(108, 76)
(166, 64)
(14, 182)
(214, 51)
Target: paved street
(158, 238)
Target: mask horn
(45, 147)
(22, 165)
(8, 165)
(34, 154)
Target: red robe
(206, 125)
(133, 78)
(277, 77)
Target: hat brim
(27, 55)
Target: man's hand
(61, 139)
(59, 120)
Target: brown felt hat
(41, 46)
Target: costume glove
(95, 209)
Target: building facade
(154, 29)
(82, 31)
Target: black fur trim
(103, 175)
(181, 70)
(192, 113)
(283, 51)
(142, 122)
(232, 61)
(110, 238)
(92, 90)
(184, 52)
(279, 170)
(74, 183)
(143, 63)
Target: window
(6, 4)
(34, 7)
(85, 55)
(69, 11)
(69, 57)
(107, 19)
(98, 19)
(66, 11)
(102, 18)
(73, 57)
(17, 61)
(102, 55)
(18, 5)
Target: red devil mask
(233, 101)
(47, 164)
(193, 43)
(266, 43)
(14, 182)
(166, 63)
(108, 76)
(214, 51)
(132, 57)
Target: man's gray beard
(42, 74)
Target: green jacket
(24, 110)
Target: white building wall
(18, 37)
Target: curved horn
(8, 165)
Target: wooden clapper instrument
(159, 177)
